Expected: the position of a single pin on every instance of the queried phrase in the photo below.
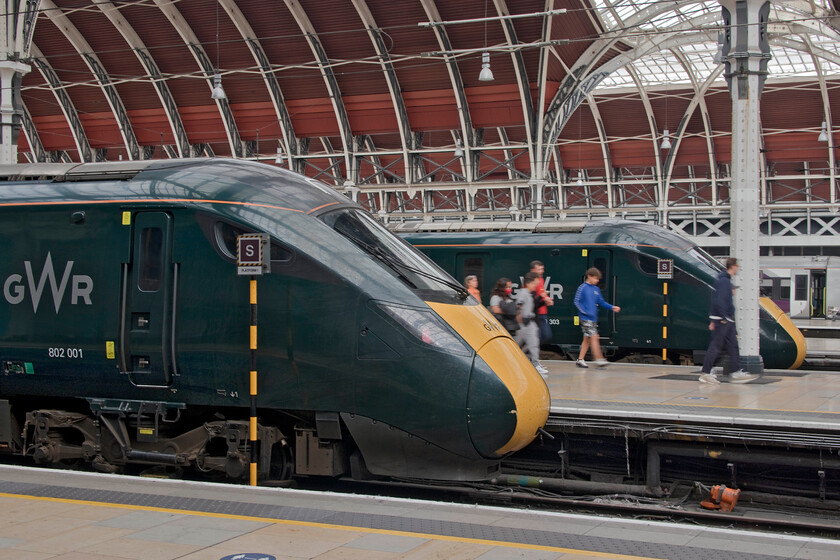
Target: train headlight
(427, 327)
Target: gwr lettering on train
(16, 288)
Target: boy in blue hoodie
(587, 299)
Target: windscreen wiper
(395, 264)
(381, 256)
(462, 292)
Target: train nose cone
(508, 401)
(782, 344)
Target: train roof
(213, 180)
(613, 231)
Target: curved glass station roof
(803, 45)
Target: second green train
(658, 311)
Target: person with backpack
(528, 335)
(503, 306)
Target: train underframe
(118, 436)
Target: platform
(785, 418)
(804, 402)
(822, 339)
(64, 515)
(800, 394)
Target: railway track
(679, 503)
(752, 512)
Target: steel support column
(16, 30)
(746, 52)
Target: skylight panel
(789, 62)
(617, 79)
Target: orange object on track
(722, 498)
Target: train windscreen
(705, 258)
(400, 258)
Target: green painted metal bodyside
(312, 308)
(631, 251)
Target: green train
(125, 331)
(656, 313)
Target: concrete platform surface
(65, 515)
(800, 395)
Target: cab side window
(151, 260)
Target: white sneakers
(598, 363)
(739, 376)
(742, 376)
(541, 370)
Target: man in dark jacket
(722, 325)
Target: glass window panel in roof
(626, 9)
(789, 62)
(619, 78)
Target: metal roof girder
(390, 73)
(654, 131)
(467, 130)
(64, 101)
(540, 151)
(272, 85)
(83, 48)
(170, 11)
(579, 81)
(698, 100)
(521, 80)
(605, 149)
(330, 81)
(826, 117)
(146, 59)
(32, 137)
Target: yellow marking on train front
(480, 329)
(786, 323)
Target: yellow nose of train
(508, 400)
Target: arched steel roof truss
(605, 148)
(63, 23)
(403, 126)
(145, 57)
(582, 78)
(331, 83)
(67, 107)
(541, 152)
(35, 146)
(654, 132)
(197, 50)
(697, 101)
(521, 79)
(290, 141)
(467, 131)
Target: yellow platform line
(648, 403)
(428, 536)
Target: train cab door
(602, 260)
(473, 264)
(149, 282)
(818, 294)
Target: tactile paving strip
(556, 539)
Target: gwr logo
(554, 291)
(14, 290)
